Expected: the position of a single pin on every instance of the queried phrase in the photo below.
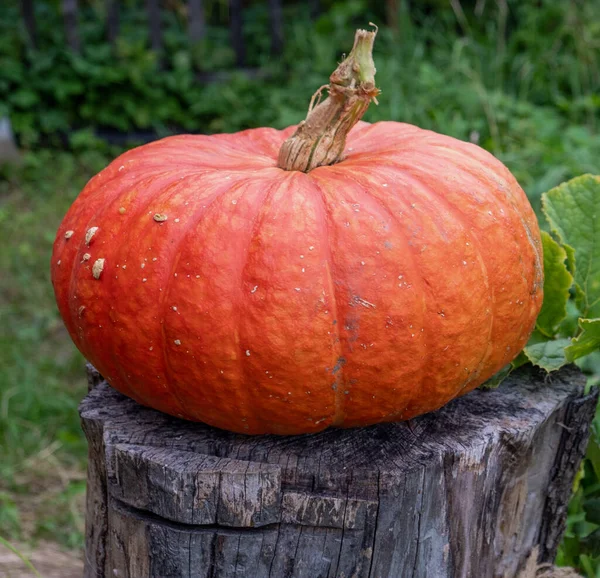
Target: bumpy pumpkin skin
(274, 301)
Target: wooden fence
(195, 21)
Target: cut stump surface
(465, 492)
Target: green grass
(42, 479)
(523, 82)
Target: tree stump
(467, 491)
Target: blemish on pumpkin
(254, 289)
(58, 262)
(247, 353)
(160, 217)
(144, 280)
(338, 365)
(177, 220)
(356, 300)
(90, 234)
(177, 342)
(81, 310)
(122, 210)
(85, 257)
(97, 268)
(69, 234)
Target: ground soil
(48, 559)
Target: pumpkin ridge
(459, 217)
(74, 268)
(340, 380)
(512, 201)
(163, 299)
(246, 147)
(426, 164)
(150, 171)
(367, 141)
(362, 184)
(198, 215)
(256, 223)
(170, 188)
(201, 149)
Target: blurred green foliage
(520, 77)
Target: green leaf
(549, 354)
(573, 211)
(593, 452)
(591, 543)
(587, 342)
(496, 380)
(518, 361)
(557, 281)
(592, 510)
(24, 98)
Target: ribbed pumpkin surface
(217, 287)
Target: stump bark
(466, 492)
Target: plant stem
(320, 139)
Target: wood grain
(466, 492)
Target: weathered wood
(466, 492)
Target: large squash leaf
(587, 342)
(557, 281)
(573, 211)
(549, 354)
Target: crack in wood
(467, 491)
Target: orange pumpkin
(205, 281)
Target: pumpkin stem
(320, 139)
